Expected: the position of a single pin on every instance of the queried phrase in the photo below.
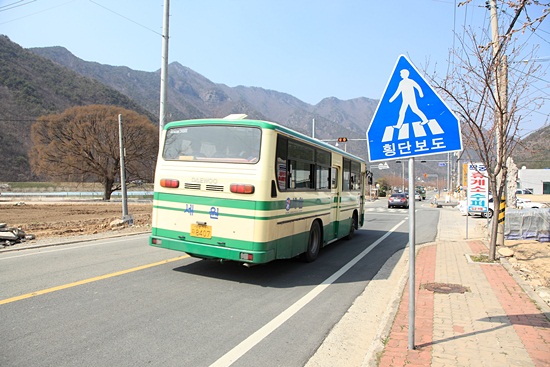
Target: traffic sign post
(411, 120)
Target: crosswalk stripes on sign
(418, 128)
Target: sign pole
(430, 128)
(412, 254)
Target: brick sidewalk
(493, 323)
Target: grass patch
(482, 258)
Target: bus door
(336, 199)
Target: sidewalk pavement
(495, 322)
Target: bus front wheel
(314, 243)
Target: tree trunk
(107, 189)
(494, 228)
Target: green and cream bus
(252, 191)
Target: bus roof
(264, 125)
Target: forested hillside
(31, 86)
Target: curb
(70, 241)
(539, 302)
(386, 322)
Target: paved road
(120, 302)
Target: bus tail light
(246, 257)
(156, 241)
(171, 183)
(242, 188)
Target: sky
(309, 49)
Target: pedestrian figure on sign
(406, 89)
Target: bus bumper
(205, 251)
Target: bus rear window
(213, 143)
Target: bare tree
(491, 81)
(84, 141)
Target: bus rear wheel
(352, 227)
(314, 243)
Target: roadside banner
(478, 188)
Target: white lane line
(243, 347)
(62, 247)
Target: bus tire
(352, 227)
(314, 243)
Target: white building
(536, 180)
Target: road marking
(63, 247)
(89, 280)
(243, 347)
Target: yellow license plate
(201, 231)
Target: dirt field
(48, 220)
(62, 219)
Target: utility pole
(501, 109)
(122, 170)
(164, 67)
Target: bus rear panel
(222, 191)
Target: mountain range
(41, 81)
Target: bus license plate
(201, 231)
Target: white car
(463, 207)
(524, 192)
(528, 204)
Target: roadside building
(535, 180)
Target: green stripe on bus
(236, 203)
(292, 215)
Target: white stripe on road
(238, 351)
(64, 247)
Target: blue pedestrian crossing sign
(411, 120)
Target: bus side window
(334, 178)
(291, 176)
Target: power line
(13, 5)
(122, 16)
(38, 12)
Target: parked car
(463, 207)
(528, 204)
(524, 192)
(398, 200)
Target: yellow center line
(89, 280)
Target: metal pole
(313, 128)
(467, 219)
(122, 170)
(164, 67)
(448, 172)
(412, 255)
(403, 166)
